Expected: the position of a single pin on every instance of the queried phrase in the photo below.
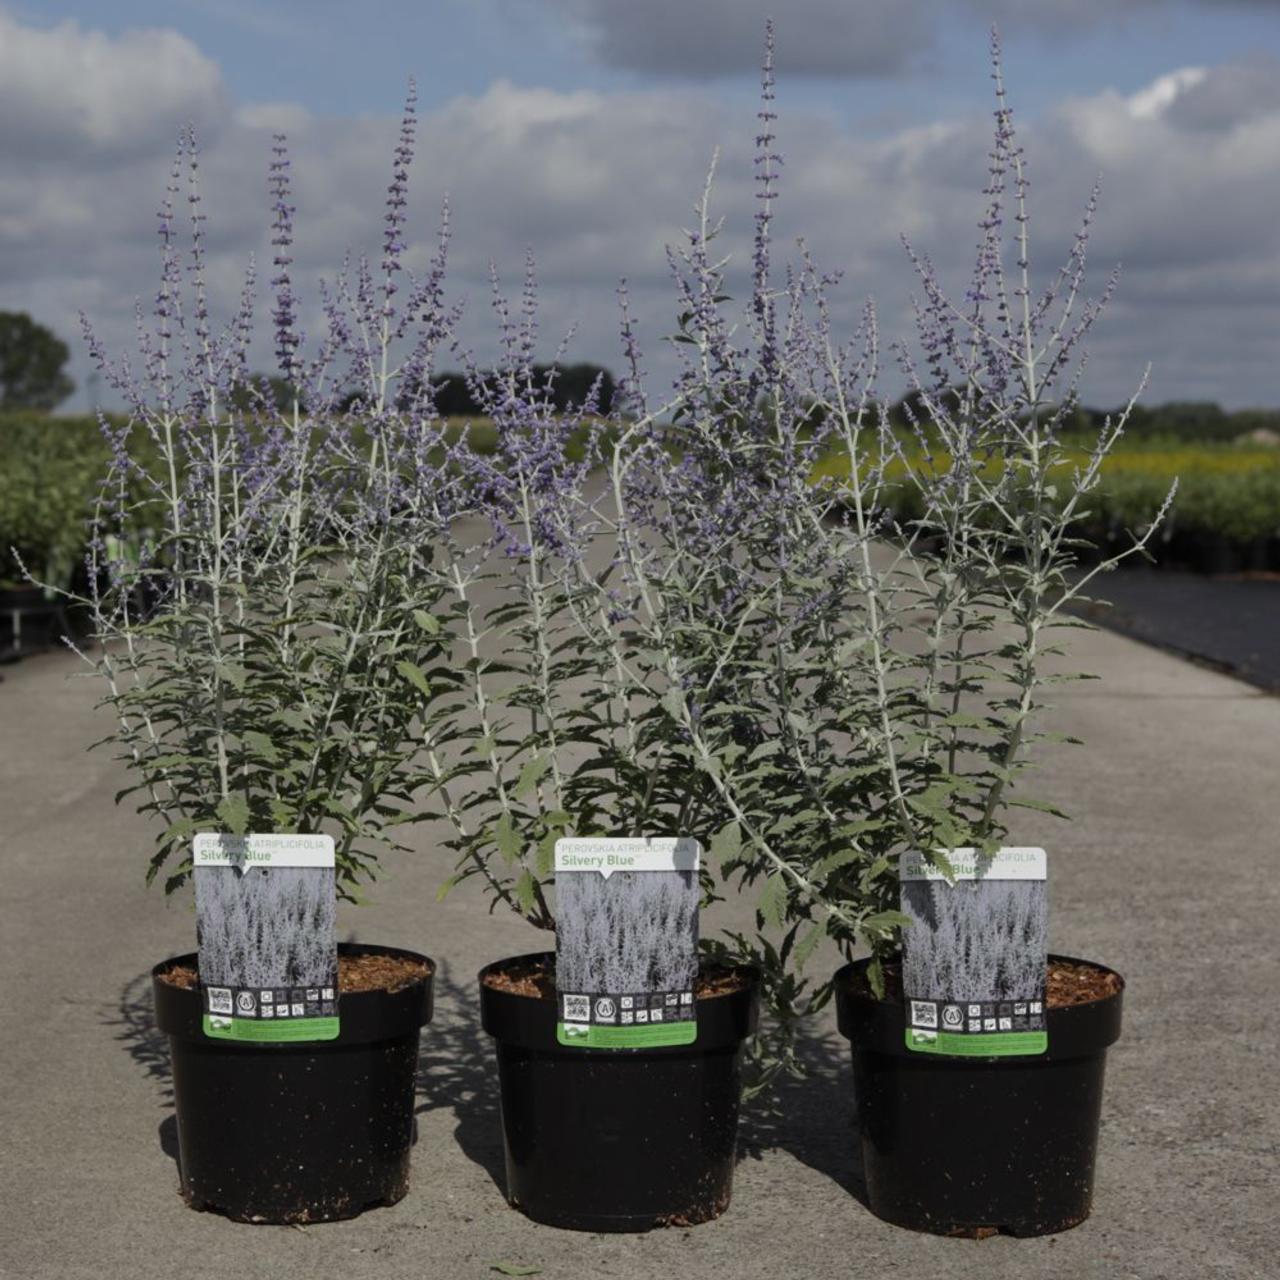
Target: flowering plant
(263, 626)
(895, 671)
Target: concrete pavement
(1168, 873)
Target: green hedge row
(49, 474)
(50, 468)
(1227, 493)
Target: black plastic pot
(968, 1146)
(289, 1133)
(617, 1139)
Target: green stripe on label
(583, 1035)
(990, 1044)
(284, 1031)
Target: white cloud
(1152, 101)
(597, 183)
(67, 92)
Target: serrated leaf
(448, 886)
(1041, 806)
(773, 901)
(531, 775)
(261, 745)
(526, 891)
(546, 860)
(507, 838)
(234, 674)
(808, 944)
(233, 813)
(726, 844)
(884, 920)
(834, 861)
(414, 675)
(673, 704)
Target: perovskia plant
(262, 619)
(880, 685)
(906, 689)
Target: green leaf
(834, 861)
(233, 813)
(773, 901)
(414, 675)
(234, 674)
(1041, 806)
(448, 886)
(180, 827)
(884, 920)
(806, 946)
(673, 705)
(261, 745)
(875, 975)
(531, 775)
(507, 838)
(429, 623)
(526, 892)
(726, 844)
(546, 860)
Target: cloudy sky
(581, 129)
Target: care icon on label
(605, 1009)
(246, 1004)
(953, 1016)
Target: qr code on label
(924, 1013)
(577, 1008)
(220, 1000)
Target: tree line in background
(33, 377)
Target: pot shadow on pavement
(811, 1118)
(133, 1020)
(457, 1072)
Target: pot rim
(724, 1021)
(880, 1025)
(365, 1017)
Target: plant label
(265, 907)
(975, 954)
(626, 941)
